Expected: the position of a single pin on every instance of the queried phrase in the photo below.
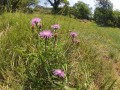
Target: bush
(103, 16)
(116, 18)
(103, 13)
(81, 10)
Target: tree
(17, 4)
(81, 10)
(3, 3)
(116, 18)
(103, 12)
(55, 4)
(106, 4)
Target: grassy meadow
(92, 64)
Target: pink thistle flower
(55, 26)
(73, 34)
(59, 73)
(46, 34)
(35, 21)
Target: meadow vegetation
(90, 64)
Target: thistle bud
(33, 26)
(39, 25)
(77, 42)
(56, 34)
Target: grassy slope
(96, 58)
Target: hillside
(93, 64)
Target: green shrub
(103, 16)
(81, 10)
(116, 18)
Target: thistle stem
(45, 44)
(73, 39)
(55, 37)
(55, 41)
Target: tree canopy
(55, 4)
(81, 10)
(103, 12)
(106, 4)
(16, 4)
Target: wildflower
(73, 34)
(55, 26)
(46, 34)
(35, 21)
(59, 73)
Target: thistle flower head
(35, 21)
(46, 34)
(55, 26)
(73, 34)
(59, 73)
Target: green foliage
(81, 10)
(116, 18)
(55, 4)
(106, 4)
(103, 13)
(103, 16)
(13, 5)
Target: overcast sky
(116, 3)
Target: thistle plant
(36, 22)
(73, 36)
(46, 34)
(59, 73)
(55, 27)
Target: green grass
(88, 66)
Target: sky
(116, 3)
